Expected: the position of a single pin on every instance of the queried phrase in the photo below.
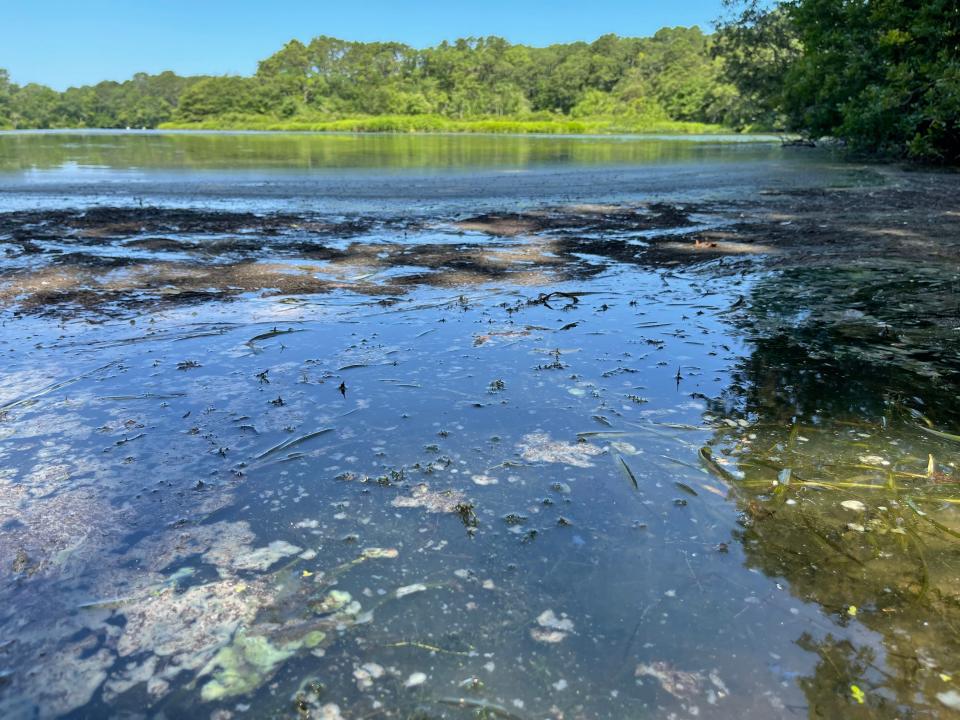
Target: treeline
(883, 75)
(143, 101)
(674, 75)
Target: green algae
(244, 665)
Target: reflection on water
(200, 151)
(463, 492)
(846, 481)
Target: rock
(854, 505)
(415, 679)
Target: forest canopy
(882, 75)
(674, 75)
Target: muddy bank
(111, 257)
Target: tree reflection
(843, 489)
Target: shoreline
(429, 125)
(308, 252)
(722, 135)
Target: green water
(304, 151)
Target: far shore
(439, 124)
(338, 127)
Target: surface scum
(648, 458)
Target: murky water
(476, 476)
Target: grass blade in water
(271, 334)
(714, 466)
(628, 471)
(481, 706)
(923, 516)
(54, 387)
(286, 444)
(939, 433)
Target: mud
(108, 258)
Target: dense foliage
(143, 101)
(884, 75)
(672, 76)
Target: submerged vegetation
(847, 484)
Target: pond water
(189, 151)
(465, 466)
(409, 174)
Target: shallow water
(594, 488)
(393, 174)
(191, 151)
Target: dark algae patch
(670, 455)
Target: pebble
(854, 505)
(417, 678)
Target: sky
(75, 42)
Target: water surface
(387, 173)
(517, 475)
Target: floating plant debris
(435, 501)
(540, 447)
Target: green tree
(676, 68)
(883, 75)
(6, 93)
(35, 106)
(756, 46)
(671, 75)
(222, 95)
(288, 73)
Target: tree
(884, 75)
(669, 75)
(675, 68)
(6, 93)
(34, 106)
(220, 95)
(756, 46)
(288, 73)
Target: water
(541, 464)
(188, 152)
(373, 174)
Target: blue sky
(73, 42)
